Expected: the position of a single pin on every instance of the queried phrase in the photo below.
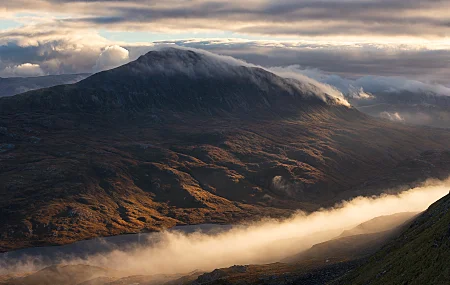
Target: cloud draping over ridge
(364, 87)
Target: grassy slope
(421, 255)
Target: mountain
(176, 81)
(16, 85)
(183, 137)
(420, 255)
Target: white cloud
(111, 57)
(397, 84)
(363, 19)
(366, 87)
(23, 70)
(321, 89)
(395, 117)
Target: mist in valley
(260, 242)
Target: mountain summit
(180, 80)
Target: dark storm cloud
(284, 17)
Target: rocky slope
(179, 137)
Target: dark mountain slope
(181, 137)
(16, 85)
(420, 255)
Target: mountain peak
(172, 61)
(181, 80)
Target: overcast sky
(351, 38)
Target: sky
(349, 38)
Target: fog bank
(260, 242)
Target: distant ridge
(15, 85)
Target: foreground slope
(181, 137)
(414, 252)
(420, 255)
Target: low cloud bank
(366, 87)
(375, 84)
(260, 242)
(23, 70)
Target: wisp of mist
(265, 241)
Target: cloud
(367, 68)
(256, 17)
(367, 87)
(23, 70)
(322, 90)
(429, 62)
(57, 51)
(395, 117)
(260, 242)
(76, 50)
(376, 84)
(110, 57)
